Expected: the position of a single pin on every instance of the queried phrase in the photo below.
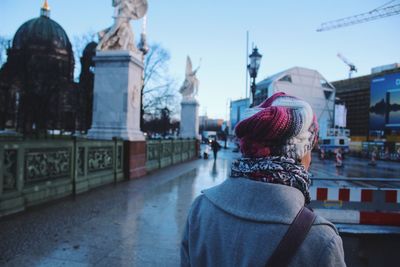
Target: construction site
(345, 108)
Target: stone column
(116, 101)
(189, 127)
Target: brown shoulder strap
(293, 238)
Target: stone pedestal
(116, 101)
(189, 127)
(135, 159)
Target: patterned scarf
(275, 170)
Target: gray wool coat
(240, 223)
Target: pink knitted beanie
(283, 125)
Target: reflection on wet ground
(354, 167)
(135, 223)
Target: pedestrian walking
(322, 154)
(215, 146)
(206, 152)
(398, 154)
(257, 217)
(373, 157)
(339, 158)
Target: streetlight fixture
(255, 60)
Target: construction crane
(352, 67)
(377, 13)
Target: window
(341, 142)
(325, 84)
(327, 141)
(286, 78)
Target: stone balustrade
(38, 171)
(163, 153)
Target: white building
(306, 84)
(237, 112)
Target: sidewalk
(134, 223)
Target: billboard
(340, 115)
(384, 110)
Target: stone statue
(120, 35)
(190, 86)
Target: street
(140, 222)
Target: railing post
(20, 166)
(160, 152)
(172, 151)
(74, 164)
(115, 157)
(1, 168)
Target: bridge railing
(36, 171)
(163, 153)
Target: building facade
(37, 88)
(208, 124)
(237, 112)
(356, 94)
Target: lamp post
(255, 60)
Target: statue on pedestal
(190, 86)
(117, 100)
(120, 35)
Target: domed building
(37, 91)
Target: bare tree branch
(79, 43)
(159, 88)
(4, 45)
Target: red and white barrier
(352, 194)
(335, 200)
(360, 217)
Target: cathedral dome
(42, 32)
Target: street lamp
(255, 60)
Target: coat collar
(257, 201)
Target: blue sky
(284, 31)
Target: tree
(158, 91)
(163, 124)
(4, 45)
(78, 45)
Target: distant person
(215, 146)
(387, 154)
(339, 158)
(206, 152)
(241, 221)
(322, 154)
(398, 154)
(373, 157)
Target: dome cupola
(42, 33)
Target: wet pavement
(355, 173)
(135, 223)
(355, 168)
(140, 222)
